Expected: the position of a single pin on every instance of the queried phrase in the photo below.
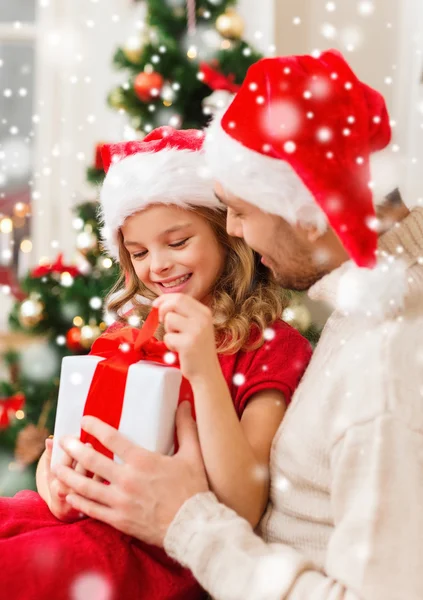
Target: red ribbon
(56, 267)
(10, 405)
(216, 80)
(120, 350)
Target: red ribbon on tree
(57, 267)
(9, 406)
(216, 80)
(120, 350)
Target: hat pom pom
(377, 292)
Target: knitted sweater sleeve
(375, 552)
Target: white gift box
(149, 406)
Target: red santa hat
(296, 142)
(166, 167)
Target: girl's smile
(174, 284)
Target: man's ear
(308, 232)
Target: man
(345, 520)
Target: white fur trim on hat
(268, 183)
(170, 176)
(376, 293)
(385, 172)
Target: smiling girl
(220, 311)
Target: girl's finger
(174, 323)
(59, 490)
(172, 341)
(179, 303)
(49, 446)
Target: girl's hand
(58, 491)
(189, 333)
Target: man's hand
(146, 491)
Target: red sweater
(278, 364)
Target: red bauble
(145, 83)
(73, 339)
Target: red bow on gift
(120, 350)
(56, 267)
(9, 407)
(216, 80)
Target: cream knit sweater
(345, 519)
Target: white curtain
(75, 45)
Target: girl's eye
(139, 254)
(179, 244)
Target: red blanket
(43, 558)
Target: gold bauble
(86, 241)
(133, 53)
(298, 316)
(31, 312)
(230, 24)
(89, 333)
(117, 99)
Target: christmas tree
(62, 310)
(186, 63)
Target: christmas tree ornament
(86, 241)
(56, 268)
(89, 333)
(9, 407)
(168, 94)
(30, 444)
(73, 339)
(133, 49)
(230, 24)
(298, 316)
(21, 210)
(31, 311)
(148, 85)
(40, 361)
(116, 98)
(66, 279)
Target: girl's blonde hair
(244, 295)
